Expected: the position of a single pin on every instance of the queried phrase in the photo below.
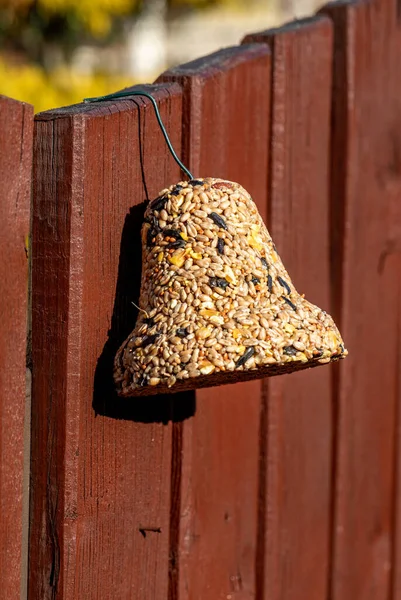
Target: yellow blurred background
(57, 52)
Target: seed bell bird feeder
(216, 303)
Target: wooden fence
(281, 489)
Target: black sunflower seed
(218, 220)
(172, 233)
(196, 182)
(152, 233)
(218, 282)
(245, 357)
(149, 236)
(159, 203)
(264, 263)
(152, 220)
(318, 353)
(288, 301)
(182, 332)
(284, 284)
(255, 280)
(176, 191)
(149, 339)
(177, 244)
(220, 246)
(290, 350)
(270, 283)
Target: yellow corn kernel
(229, 275)
(206, 367)
(208, 312)
(177, 258)
(255, 241)
(203, 332)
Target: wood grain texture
(225, 134)
(366, 219)
(16, 129)
(100, 502)
(297, 418)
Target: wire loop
(127, 94)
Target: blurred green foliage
(60, 87)
(38, 37)
(29, 26)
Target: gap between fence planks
(16, 128)
(225, 133)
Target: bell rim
(226, 377)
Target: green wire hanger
(158, 117)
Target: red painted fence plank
(16, 128)
(366, 190)
(298, 420)
(101, 473)
(225, 134)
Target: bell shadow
(160, 408)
